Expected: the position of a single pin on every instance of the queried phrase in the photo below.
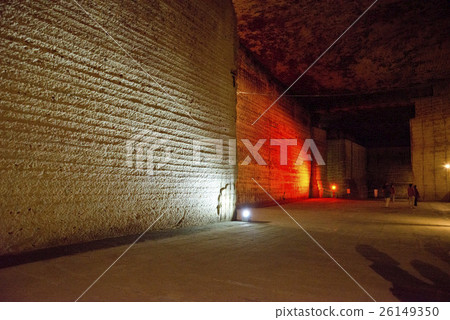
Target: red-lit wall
(286, 119)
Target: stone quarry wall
(85, 131)
(389, 165)
(257, 90)
(346, 168)
(319, 186)
(430, 144)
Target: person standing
(387, 194)
(411, 196)
(392, 193)
(416, 195)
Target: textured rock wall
(257, 90)
(389, 165)
(346, 168)
(320, 187)
(81, 121)
(430, 144)
(396, 44)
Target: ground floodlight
(246, 215)
(333, 189)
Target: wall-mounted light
(333, 187)
(447, 166)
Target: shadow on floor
(262, 222)
(441, 253)
(55, 252)
(405, 286)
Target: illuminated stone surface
(395, 254)
(72, 100)
(77, 113)
(430, 141)
(286, 119)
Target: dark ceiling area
(378, 127)
(398, 47)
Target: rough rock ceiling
(397, 44)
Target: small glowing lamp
(447, 166)
(333, 188)
(246, 215)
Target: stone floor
(395, 254)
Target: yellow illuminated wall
(79, 113)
